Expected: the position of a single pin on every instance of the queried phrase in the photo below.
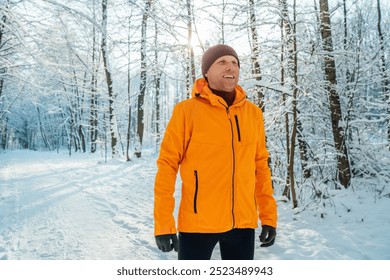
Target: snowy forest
(102, 76)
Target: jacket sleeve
(265, 200)
(171, 154)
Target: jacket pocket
(238, 128)
(196, 191)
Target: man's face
(223, 74)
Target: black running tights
(236, 244)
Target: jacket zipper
(196, 191)
(234, 165)
(238, 128)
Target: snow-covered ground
(56, 207)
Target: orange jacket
(221, 152)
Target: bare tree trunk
(224, 4)
(343, 168)
(93, 121)
(79, 106)
(286, 191)
(93, 118)
(3, 122)
(2, 25)
(42, 130)
(142, 87)
(349, 79)
(256, 69)
(128, 134)
(295, 111)
(302, 144)
(255, 58)
(4, 131)
(291, 70)
(109, 80)
(348, 75)
(157, 80)
(303, 149)
(190, 80)
(384, 77)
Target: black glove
(267, 236)
(164, 242)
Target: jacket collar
(201, 90)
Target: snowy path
(56, 207)
(59, 208)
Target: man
(217, 139)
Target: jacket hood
(201, 89)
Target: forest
(102, 76)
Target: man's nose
(230, 66)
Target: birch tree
(143, 77)
(255, 55)
(129, 99)
(93, 115)
(3, 119)
(109, 80)
(191, 57)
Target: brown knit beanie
(215, 52)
